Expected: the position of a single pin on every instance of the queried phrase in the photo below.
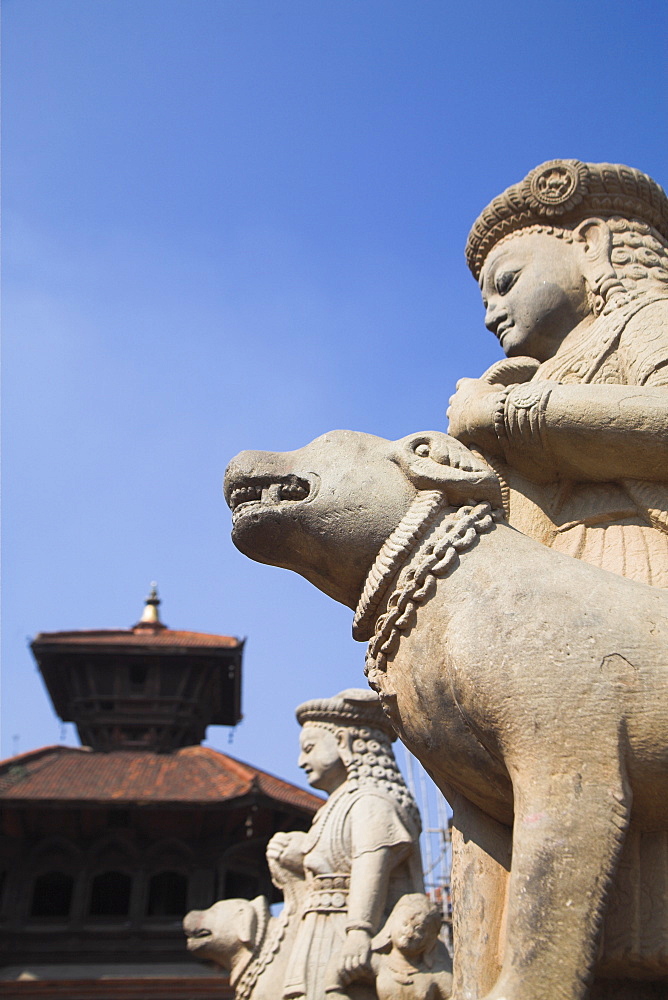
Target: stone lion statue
(532, 686)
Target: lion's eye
(422, 450)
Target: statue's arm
(582, 431)
(369, 880)
(585, 432)
(547, 430)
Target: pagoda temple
(106, 846)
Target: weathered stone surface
(531, 685)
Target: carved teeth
(269, 492)
(293, 491)
(244, 494)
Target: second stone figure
(356, 924)
(361, 854)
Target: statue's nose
(494, 315)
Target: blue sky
(238, 224)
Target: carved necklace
(421, 514)
(262, 956)
(416, 584)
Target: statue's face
(534, 293)
(320, 758)
(411, 933)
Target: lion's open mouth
(249, 494)
(203, 932)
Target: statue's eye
(505, 280)
(422, 449)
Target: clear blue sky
(240, 223)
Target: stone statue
(340, 880)
(531, 685)
(242, 938)
(410, 961)
(573, 267)
(361, 854)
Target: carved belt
(328, 894)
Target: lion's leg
(481, 850)
(568, 832)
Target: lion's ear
(246, 924)
(435, 461)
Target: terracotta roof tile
(192, 774)
(136, 637)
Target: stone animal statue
(244, 940)
(532, 686)
(410, 961)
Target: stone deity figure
(410, 960)
(572, 263)
(361, 853)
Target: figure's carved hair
(371, 764)
(639, 258)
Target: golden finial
(151, 615)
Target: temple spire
(151, 616)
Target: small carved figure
(361, 853)
(410, 961)
(572, 263)
(532, 686)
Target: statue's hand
(287, 850)
(471, 414)
(355, 958)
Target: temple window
(240, 884)
(110, 894)
(52, 895)
(167, 893)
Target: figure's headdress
(563, 193)
(352, 707)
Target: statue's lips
(503, 329)
(258, 493)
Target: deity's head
(349, 738)
(569, 242)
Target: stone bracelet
(359, 925)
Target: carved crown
(352, 707)
(564, 192)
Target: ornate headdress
(352, 707)
(563, 193)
